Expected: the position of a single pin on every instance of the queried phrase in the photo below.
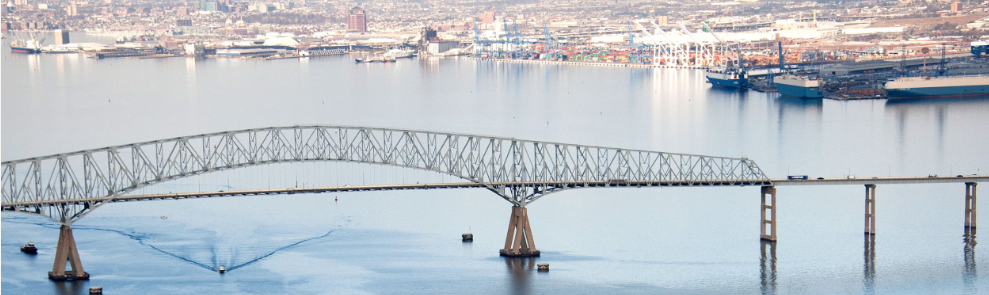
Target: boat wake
(214, 263)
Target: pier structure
(519, 241)
(66, 187)
(870, 209)
(970, 181)
(768, 221)
(970, 212)
(66, 251)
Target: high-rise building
(357, 20)
(956, 7)
(61, 37)
(72, 9)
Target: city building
(357, 20)
(956, 7)
(488, 17)
(207, 6)
(62, 37)
(72, 9)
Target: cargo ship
(25, 46)
(798, 86)
(398, 53)
(930, 87)
(728, 77)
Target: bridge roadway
(461, 185)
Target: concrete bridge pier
(66, 251)
(870, 209)
(970, 204)
(771, 221)
(519, 242)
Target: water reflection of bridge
(66, 187)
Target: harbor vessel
(25, 46)
(788, 84)
(728, 77)
(29, 248)
(930, 87)
(375, 59)
(798, 86)
(398, 53)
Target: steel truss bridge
(66, 187)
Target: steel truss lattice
(520, 171)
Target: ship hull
(24, 50)
(728, 83)
(931, 92)
(797, 91)
(927, 87)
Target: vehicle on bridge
(796, 177)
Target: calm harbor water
(646, 240)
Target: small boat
(29, 249)
(221, 270)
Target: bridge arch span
(519, 171)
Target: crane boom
(712, 32)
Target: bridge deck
(456, 185)
(883, 180)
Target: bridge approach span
(66, 187)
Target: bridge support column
(66, 251)
(519, 242)
(870, 209)
(771, 220)
(970, 204)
